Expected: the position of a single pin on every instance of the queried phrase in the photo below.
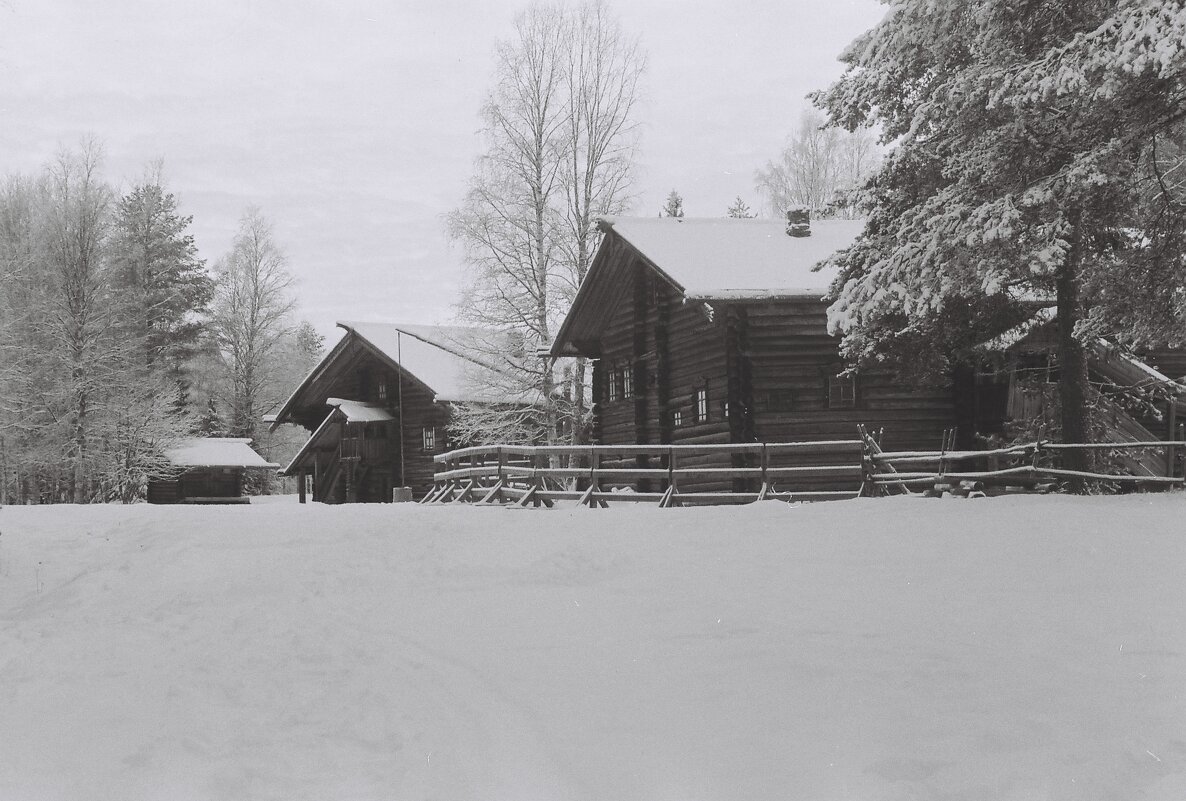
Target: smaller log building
(378, 408)
(210, 470)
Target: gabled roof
(438, 357)
(216, 452)
(708, 259)
(726, 258)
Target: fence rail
(595, 475)
(678, 475)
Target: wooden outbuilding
(715, 331)
(378, 409)
(208, 470)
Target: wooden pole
(301, 484)
(1171, 451)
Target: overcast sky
(353, 124)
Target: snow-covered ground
(996, 649)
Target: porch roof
(358, 412)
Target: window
(677, 418)
(611, 385)
(383, 388)
(430, 438)
(842, 392)
(702, 405)
(627, 383)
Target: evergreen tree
(740, 210)
(1032, 141)
(674, 205)
(210, 422)
(167, 288)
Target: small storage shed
(211, 471)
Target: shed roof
(216, 452)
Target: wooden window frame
(700, 407)
(627, 382)
(841, 392)
(611, 385)
(428, 438)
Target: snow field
(1012, 648)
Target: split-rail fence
(681, 475)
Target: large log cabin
(715, 331)
(378, 408)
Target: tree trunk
(1072, 360)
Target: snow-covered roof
(439, 356)
(709, 260)
(216, 452)
(357, 412)
(731, 259)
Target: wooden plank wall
(744, 354)
(791, 351)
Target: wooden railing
(1026, 464)
(670, 475)
(679, 475)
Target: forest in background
(117, 340)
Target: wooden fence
(670, 475)
(677, 475)
(1019, 465)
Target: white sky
(352, 124)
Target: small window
(611, 385)
(627, 383)
(383, 388)
(702, 405)
(430, 438)
(842, 392)
(677, 418)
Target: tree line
(117, 340)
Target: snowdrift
(1012, 648)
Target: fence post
(765, 468)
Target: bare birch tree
(251, 318)
(560, 145)
(817, 169)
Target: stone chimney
(799, 221)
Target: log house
(378, 408)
